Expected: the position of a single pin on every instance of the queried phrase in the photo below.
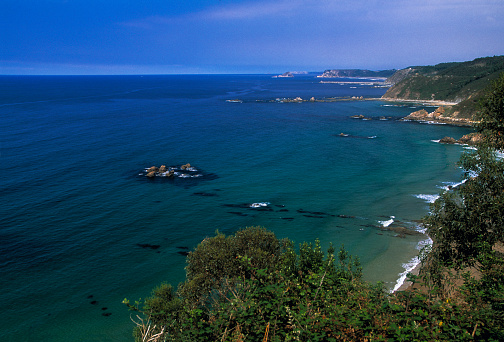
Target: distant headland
(455, 87)
(356, 73)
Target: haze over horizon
(242, 36)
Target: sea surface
(82, 227)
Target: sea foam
(412, 264)
(387, 222)
(427, 198)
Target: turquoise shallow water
(76, 210)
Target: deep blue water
(76, 209)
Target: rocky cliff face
(439, 116)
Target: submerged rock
(148, 245)
(401, 231)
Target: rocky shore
(472, 139)
(438, 116)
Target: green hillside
(460, 82)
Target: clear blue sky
(242, 36)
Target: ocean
(83, 227)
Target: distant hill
(357, 73)
(459, 82)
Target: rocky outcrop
(471, 139)
(170, 172)
(401, 231)
(151, 171)
(448, 140)
(468, 139)
(438, 116)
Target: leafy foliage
(217, 258)
(469, 220)
(307, 295)
(491, 116)
(449, 81)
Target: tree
(468, 221)
(218, 258)
(491, 115)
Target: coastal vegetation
(462, 83)
(252, 286)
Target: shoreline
(402, 283)
(413, 266)
(424, 102)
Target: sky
(243, 36)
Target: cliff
(461, 83)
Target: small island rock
(447, 140)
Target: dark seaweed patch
(148, 246)
(237, 213)
(205, 194)
(314, 216)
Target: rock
(471, 139)
(162, 168)
(438, 112)
(422, 114)
(186, 166)
(418, 115)
(468, 139)
(151, 174)
(448, 140)
(152, 169)
(402, 231)
(438, 116)
(312, 99)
